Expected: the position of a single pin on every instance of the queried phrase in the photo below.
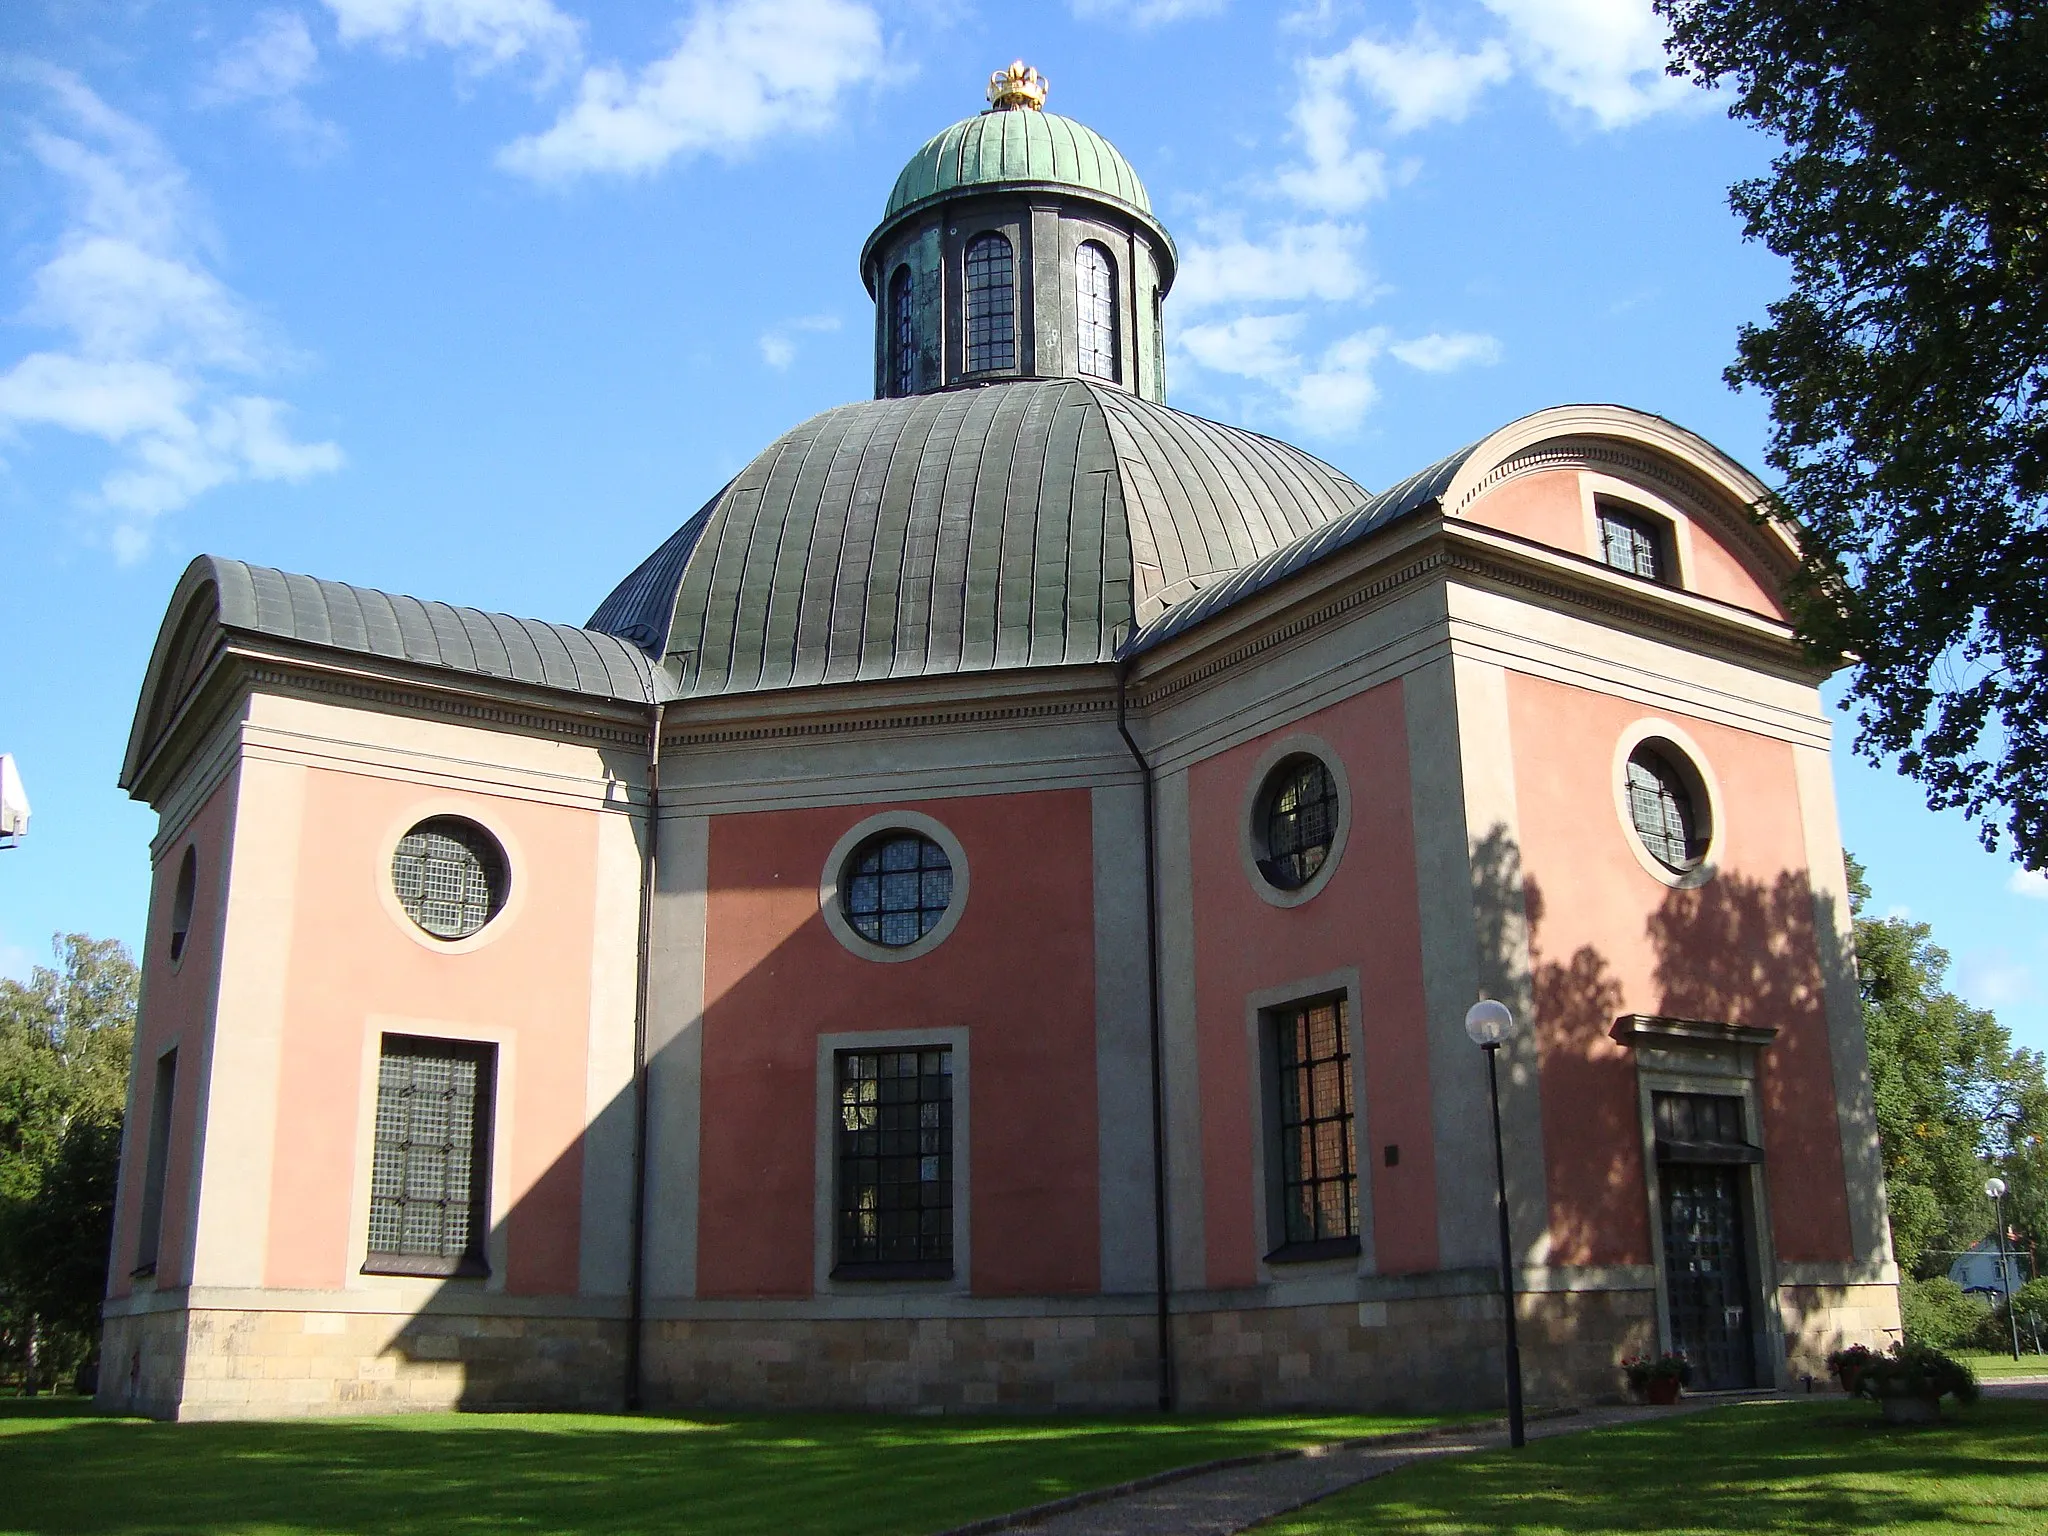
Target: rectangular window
(1701, 1128)
(429, 1175)
(162, 1096)
(1317, 1182)
(893, 1147)
(1632, 542)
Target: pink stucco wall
(1548, 508)
(1018, 970)
(1608, 939)
(176, 1005)
(1365, 917)
(350, 959)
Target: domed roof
(1029, 523)
(1005, 147)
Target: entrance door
(1707, 1273)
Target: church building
(983, 917)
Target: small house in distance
(982, 916)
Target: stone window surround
(1597, 488)
(1251, 821)
(464, 808)
(824, 1205)
(835, 865)
(417, 1290)
(1289, 1274)
(1674, 1055)
(1686, 757)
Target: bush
(1915, 1370)
(1937, 1313)
(2032, 1297)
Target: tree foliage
(66, 1037)
(1954, 1099)
(1907, 369)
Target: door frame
(1695, 1056)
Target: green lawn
(1990, 1367)
(1826, 1468)
(62, 1470)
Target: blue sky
(478, 299)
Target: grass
(1758, 1469)
(63, 1469)
(1993, 1366)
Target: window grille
(1318, 1156)
(1301, 822)
(1701, 1127)
(894, 1145)
(429, 1178)
(895, 888)
(1095, 291)
(903, 333)
(450, 876)
(1660, 803)
(991, 305)
(1631, 542)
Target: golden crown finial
(1018, 86)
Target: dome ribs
(917, 592)
(881, 595)
(991, 530)
(814, 542)
(1030, 522)
(945, 624)
(852, 578)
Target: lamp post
(1489, 1024)
(1995, 1188)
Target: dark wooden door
(1707, 1271)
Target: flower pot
(1911, 1410)
(1662, 1390)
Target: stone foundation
(1820, 1319)
(1414, 1354)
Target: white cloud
(1419, 81)
(778, 343)
(1992, 978)
(1604, 57)
(1440, 353)
(744, 71)
(268, 68)
(1326, 395)
(1145, 13)
(149, 331)
(485, 33)
(2031, 883)
(1298, 261)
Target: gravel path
(1233, 1499)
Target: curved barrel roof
(1027, 523)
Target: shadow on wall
(1734, 950)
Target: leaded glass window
(450, 876)
(991, 304)
(1318, 1152)
(1095, 294)
(1661, 805)
(428, 1173)
(1301, 812)
(1631, 542)
(894, 1148)
(895, 888)
(902, 333)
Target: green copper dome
(1005, 147)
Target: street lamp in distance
(1995, 1187)
(1490, 1024)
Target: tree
(66, 1037)
(1907, 370)
(1953, 1097)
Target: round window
(895, 888)
(1300, 810)
(450, 876)
(1667, 809)
(182, 898)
